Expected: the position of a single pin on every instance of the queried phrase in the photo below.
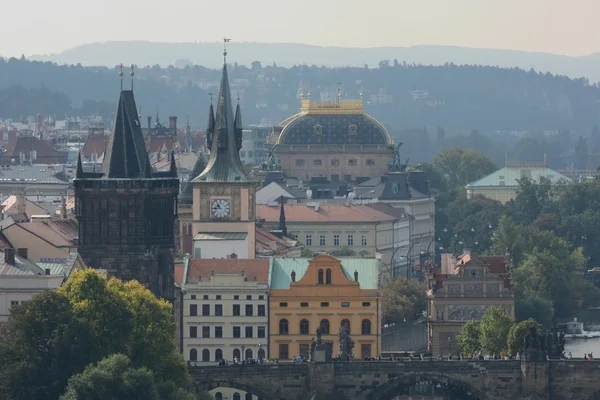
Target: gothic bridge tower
(126, 212)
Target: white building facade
(224, 310)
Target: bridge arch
(396, 384)
(208, 385)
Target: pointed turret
(237, 126)
(79, 171)
(282, 226)
(186, 195)
(210, 130)
(126, 153)
(224, 164)
(173, 169)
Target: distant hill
(402, 96)
(289, 54)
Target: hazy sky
(556, 26)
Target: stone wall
(486, 380)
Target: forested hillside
(459, 99)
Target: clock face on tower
(220, 208)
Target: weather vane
(225, 41)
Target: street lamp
(449, 347)
(408, 260)
(259, 348)
(242, 356)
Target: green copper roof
(224, 164)
(280, 271)
(509, 177)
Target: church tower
(224, 209)
(126, 212)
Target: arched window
(366, 327)
(218, 396)
(205, 355)
(237, 354)
(218, 355)
(320, 277)
(328, 277)
(249, 354)
(236, 396)
(304, 328)
(345, 322)
(283, 327)
(248, 396)
(325, 326)
(261, 354)
(193, 355)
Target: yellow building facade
(324, 292)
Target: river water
(579, 347)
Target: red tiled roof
(25, 144)
(179, 269)
(496, 264)
(94, 144)
(326, 213)
(202, 269)
(156, 143)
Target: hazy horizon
(550, 26)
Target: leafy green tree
(463, 166)
(532, 200)
(403, 300)
(532, 305)
(510, 237)
(343, 252)
(469, 338)
(56, 335)
(494, 328)
(517, 333)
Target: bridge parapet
(383, 380)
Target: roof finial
(362, 94)
(301, 94)
(225, 41)
(238, 97)
(339, 91)
(121, 76)
(210, 95)
(132, 74)
(140, 113)
(506, 159)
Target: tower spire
(132, 74)
(282, 226)
(79, 171)
(225, 41)
(121, 76)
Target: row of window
(206, 356)
(243, 154)
(300, 162)
(326, 304)
(236, 332)
(304, 326)
(235, 396)
(236, 310)
(219, 297)
(308, 240)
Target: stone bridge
(385, 380)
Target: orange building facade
(323, 292)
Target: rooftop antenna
(132, 74)
(225, 41)
(121, 76)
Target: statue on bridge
(539, 346)
(346, 343)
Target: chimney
(22, 252)
(9, 255)
(21, 205)
(149, 122)
(173, 125)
